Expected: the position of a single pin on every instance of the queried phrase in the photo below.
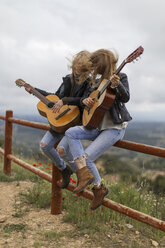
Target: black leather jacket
(70, 92)
(118, 110)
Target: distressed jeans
(47, 146)
(102, 140)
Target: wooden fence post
(8, 142)
(56, 192)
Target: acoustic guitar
(68, 116)
(104, 96)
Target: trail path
(36, 223)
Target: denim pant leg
(74, 136)
(104, 140)
(48, 148)
(67, 154)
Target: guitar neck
(38, 94)
(108, 83)
(120, 68)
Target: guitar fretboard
(38, 94)
(108, 83)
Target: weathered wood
(8, 143)
(2, 117)
(30, 123)
(147, 149)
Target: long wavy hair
(104, 63)
(81, 66)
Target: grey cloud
(37, 37)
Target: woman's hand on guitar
(56, 108)
(89, 102)
(114, 80)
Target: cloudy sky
(37, 37)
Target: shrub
(129, 178)
(159, 185)
(113, 164)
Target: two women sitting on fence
(86, 67)
(73, 91)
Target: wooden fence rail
(56, 196)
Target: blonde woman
(74, 88)
(111, 129)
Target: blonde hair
(81, 66)
(104, 63)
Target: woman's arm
(122, 90)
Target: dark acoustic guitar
(68, 116)
(104, 96)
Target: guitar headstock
(20, 82)
(134, 55)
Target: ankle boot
(99, 194)
(66, 173)
(84, 177)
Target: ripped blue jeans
(47, 146)
(102, 140)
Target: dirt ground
(36, 223)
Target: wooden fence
(56, 194)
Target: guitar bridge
(87, 109)
(62, 114)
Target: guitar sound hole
(50, 104)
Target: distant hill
(151, 133)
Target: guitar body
(93, 116)
(68, 116)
